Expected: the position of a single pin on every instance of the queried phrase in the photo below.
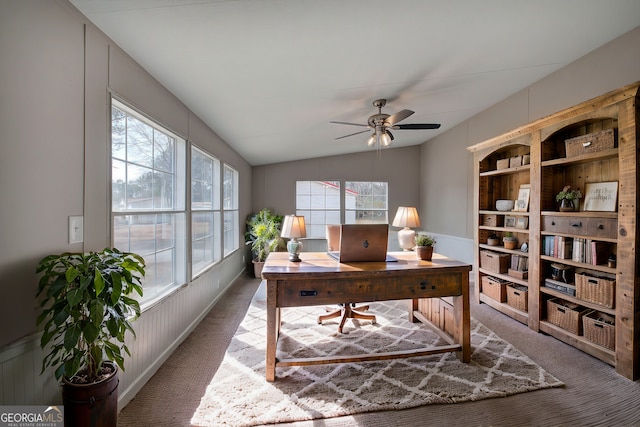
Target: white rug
(239, 395)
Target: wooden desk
(321, 280)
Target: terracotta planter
(94, 405)
(424, 252)
(510, 244)
(257, 269)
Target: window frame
(178, 211)
(216, 236)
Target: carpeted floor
(594, 394)
(239, 395)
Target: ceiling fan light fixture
(372, 140)
(385, 139)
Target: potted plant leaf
(263, 235)
(88, 306)
(424, 246)
(568, 199)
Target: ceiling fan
(382, 123)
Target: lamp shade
(293, 226)
(406, 217)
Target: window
(319, 203)
(205, 206)
(231, 211)
(148, 197)
(365, 202)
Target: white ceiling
(269, 75)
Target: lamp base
(407, 239)
(294, 247)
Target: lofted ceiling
(269, 75)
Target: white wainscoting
(159, 331)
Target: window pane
(230, 205)
(231, 240)
(157, 239)
(139, 142)
(319, 203)
(366, 202)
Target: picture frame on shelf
(601, 196)
(510, 221)
(522, 204)
(522, 223)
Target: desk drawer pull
(308, 293)
(425, 284)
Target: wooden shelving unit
(548, 171)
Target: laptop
(363, 243)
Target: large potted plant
(87, 309)
(263, 235)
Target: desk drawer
(293, 293)
(593, 227)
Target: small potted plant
(263, 235)
(568, 199)
(88, 307)
(492, 240)
(510, 241)
(424, 246)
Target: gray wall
(442, 184)
(57, 71)
(274, 186)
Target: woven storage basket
(600, 328)
(518, 297)
(494, 288)
(598, 290)
(566, 315)
(591, 143)
(494, 261)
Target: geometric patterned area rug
(239, 395)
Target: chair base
(348, 312)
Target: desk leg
(273, 326)
(413, 306)
(462, 319)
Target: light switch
(76, 229)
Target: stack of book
(577, 249)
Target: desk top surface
(315, 263)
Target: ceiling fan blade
(347, 123)
(417, 126)
(351, 134)
(395, 118)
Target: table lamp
(292, 228)
(406, 217)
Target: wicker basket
(502, 164)
(598, 290)
(494, 288)
(591, 143)
(600, 328)
(494, 261)
(518, 297)
(566, 315)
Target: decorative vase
(566, 205)
(424, 252)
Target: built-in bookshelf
(576, 268)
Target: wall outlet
(76, 229)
